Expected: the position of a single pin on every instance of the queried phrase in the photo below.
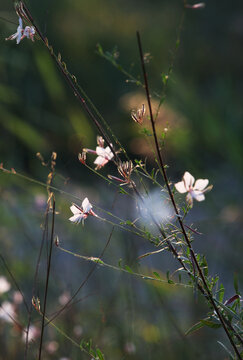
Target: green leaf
(221, 293)
(127, 268)
(122, 191)
(156, 275)
(228, 310)
(194, 328)
(152, 173)
(129, 222)
(100, 355)
(168, 278)
(204, 265)
(120, 263)
(210, 324)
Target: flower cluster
(81, 213)
(21, 33)
(195, 191)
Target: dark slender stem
(47, 278)
(71, 84)
(161, 162)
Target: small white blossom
(195, 191)
(81, 213)
(21, 33)
(4, 285)
(104, 156)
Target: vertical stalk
(161, 162)
(47, 279)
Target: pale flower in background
(194, 191)
(7, 312)
(64, 298)
(80, 214)
(17, 298)
(34, 333)
(51, 347)
(4, 285)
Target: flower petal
(198, 195)
(180, 187)
(100, 161)
(100, 151)
(77, 218)
(188, 180)
(86, 205)
(200, 184)
(109, 153)
(75, 209)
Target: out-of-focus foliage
(203, 113)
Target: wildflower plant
(169, 233)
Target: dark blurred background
(126, 318)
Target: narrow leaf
(194, 328)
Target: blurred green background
(127, 318)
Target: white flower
(80, 214)
(104, 156)
(4, 285)
(18, 34)
(28, 31)
(194, 191)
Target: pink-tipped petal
(188, 180)
(180, 187)
(201, 184)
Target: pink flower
(194, 191)
(28, 31)
(80, 214)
